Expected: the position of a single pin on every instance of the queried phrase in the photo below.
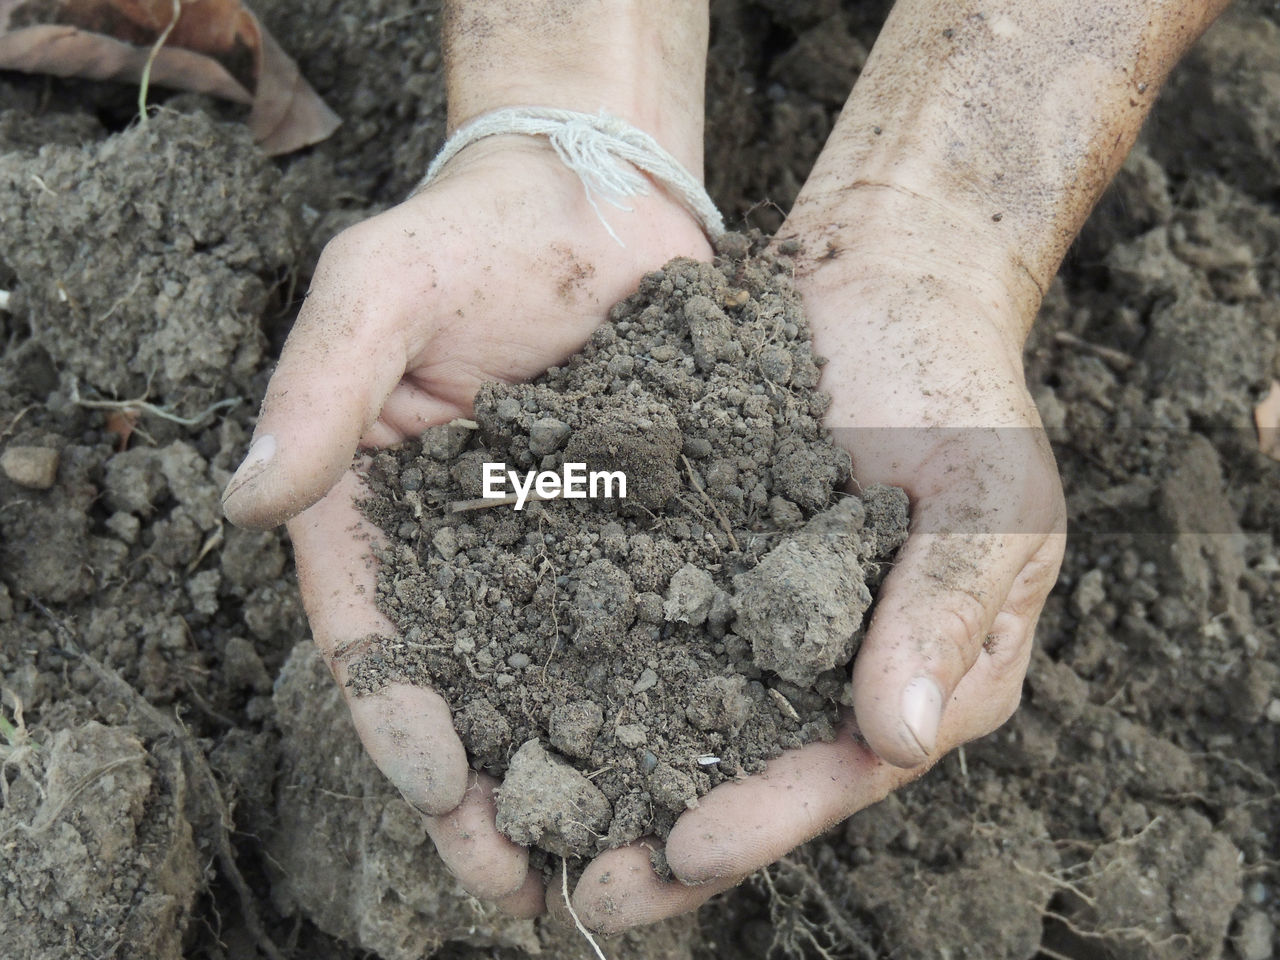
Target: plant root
(199, 774)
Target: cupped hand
(496, 271)
(925, 374)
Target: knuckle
(966, 616)
(352, 241)
(423, 787)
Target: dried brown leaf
(217, 47)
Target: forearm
(642, 60)
(990, 129)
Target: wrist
(880, 241)
(643, 62)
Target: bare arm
(979, 136)
(644, 62)
(995, 126)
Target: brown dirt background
(194, 789)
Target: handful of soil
(613, 659)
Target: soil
(711, 613)
(179, 778)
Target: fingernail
(255, 461)
(922, 711)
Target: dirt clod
(545, 802)
(35, 468)
(801, 608)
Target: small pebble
(446, 541)
(35, 468)
(125, 526)
(518, 661)
(464, 644)
(1256, 937)
(736, 246)
(696, 448)
(689, 595)
(547, 436)
(1089, 593)
(909, 838)
(1273, 711)
(622, 366)
(664, 353)
(631, 735)
(648, 680)
(508, 408)
(649, 608)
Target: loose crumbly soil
(710, 614)
(181, 780)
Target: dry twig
(564, 890)
(715, 508)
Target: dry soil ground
(181, 780)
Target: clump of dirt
(617, 657)
(149, 271)
(100, 799)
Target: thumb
(934, 613)
(341, 361)
(981, 558)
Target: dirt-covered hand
(976, 141)
(498, 270)
(927, 394)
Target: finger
(740, 827)
(1006, 652)
(557, 899)
(410, 409)
(527, 902)
(346, 353)
(933, 614)
(619, 890)
(982, 514)
(487, 864)
(407, 730)
(380, 434)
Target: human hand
(975, 143)
(927, 394)
(498, 270)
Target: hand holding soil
(926, 395)
(923, 255)
(498, 270)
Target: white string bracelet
(607, 154)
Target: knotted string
(607, 154)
